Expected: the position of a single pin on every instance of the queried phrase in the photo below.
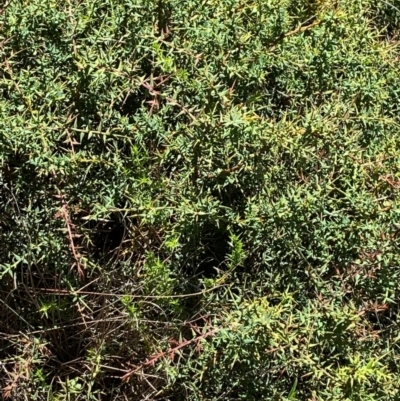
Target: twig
(71, 237)
(174, 102)
(390, 5)
(226, 172)
(72, 22)
(105, 294)
(68, 224)
(156, 357)
(295, 32)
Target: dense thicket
(199, 200)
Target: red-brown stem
(156, 357)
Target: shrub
(200, 200)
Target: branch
(156, 357)
(68, 224)
(71, 237)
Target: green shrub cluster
(199, 200)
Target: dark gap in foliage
(207, 246)
(65, 345)
(230, 195)
(9, 325)
(14, 162)
(107, 236)
(215, 244)
(86, 107)
(132, 103)
(384, 321)
(164, 13)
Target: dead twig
(69, 225)
(154, 358)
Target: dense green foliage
(199, 200)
